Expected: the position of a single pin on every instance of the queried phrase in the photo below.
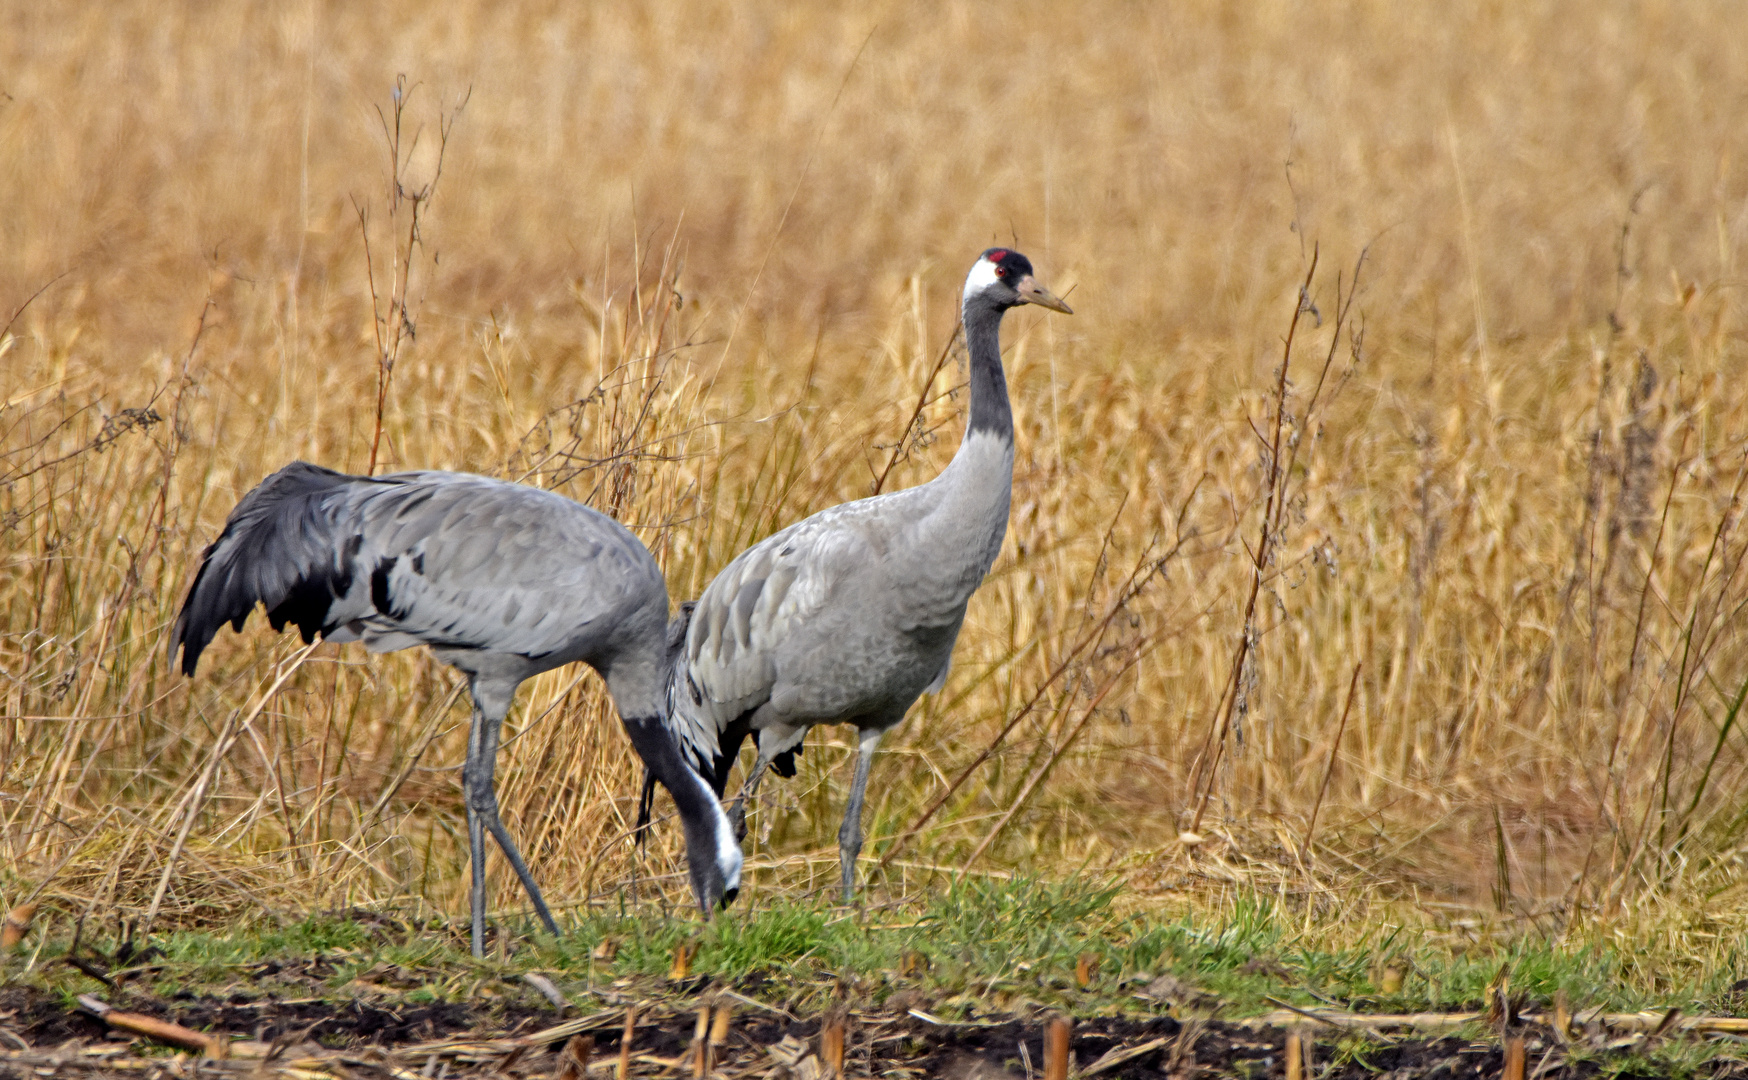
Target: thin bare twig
(901, 448)
(196, 797)
(1143, 572)
(1329, 771)
(1136, 652)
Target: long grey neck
(969, 501)
(637, 677)
(990, 412)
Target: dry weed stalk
(1277, 480)
(394, 320)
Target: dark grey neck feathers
(990, 411)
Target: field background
(698, 265)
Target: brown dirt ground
(44, 1036)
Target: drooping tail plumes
(277, 550)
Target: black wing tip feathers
(190, 648)
(189, 634)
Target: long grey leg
(737, 813)
(476, 832)
(850, 832)
(482, 816)
(476, 823)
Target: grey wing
(514, 569)
(433, 558)
(766, 597)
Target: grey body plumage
(501, 580)
(850, 615)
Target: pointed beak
(1033, 293)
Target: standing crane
(848, 616)
(503, 582)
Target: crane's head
(1002, 278)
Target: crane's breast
(752, 614)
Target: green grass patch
(988, 946)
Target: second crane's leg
(482, 812)
(737, 813)
(771, 741)
(850, 832)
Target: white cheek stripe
(982, 276)
(728, 855)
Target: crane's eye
(1001, 271)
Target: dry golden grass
(696, 264)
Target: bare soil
(44, 1035)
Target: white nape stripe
(982, 276)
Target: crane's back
(499, 578)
